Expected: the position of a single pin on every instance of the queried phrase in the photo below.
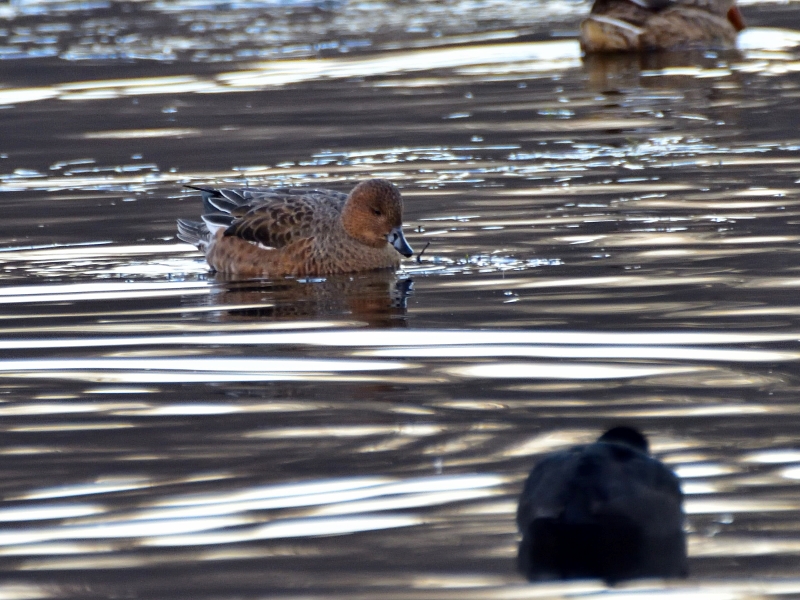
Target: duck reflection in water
(604, 510)
(676, 71)
(375, 298)
(642, 25)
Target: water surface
(610, 241)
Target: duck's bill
(736, 18)
(398, 240)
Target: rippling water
(610, 241)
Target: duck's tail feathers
(222, 203)
(200, 189)
(222, 199)
(210, 197)
(194, 232)
(216, 221)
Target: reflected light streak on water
(346, 431)
(772, 457)
(141, 133)
(187, 520)
(42, 513)
(137, 529)
(640, 352)
(791, 473)
(277, 491)
(534, 56)
(57, 408)
(411, 501)
(529, 370)
(22, 591)
(162, 370)
(549, 442)
(762, 38)
(205, 408)
(93, 290)
(233, 365)
(291, 529)
(699, 506)
(703, 470)
(104, 486)
(740, 546)
(419, 338)
(547, 56)
(124, 377)
(354, 496)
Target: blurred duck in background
(605, 510)
(642, 25)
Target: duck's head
(721, 8)
(373, 214)
(626, 436)
(735, 17)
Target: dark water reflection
(610, 240)
(377, 299)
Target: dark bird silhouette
(605, 510)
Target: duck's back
(641, 25)
(277, 217)
(601, 510)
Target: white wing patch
(213, 227)
(617, 23)
(261, 246)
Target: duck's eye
(376, 212)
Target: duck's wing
(654, 5)
(270, 217)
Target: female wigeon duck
(604, 510)
(641, 25)
(271, 232)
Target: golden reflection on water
(549, 442)
(520, 57)
(546, 56)
(141, 133)
(529, 370)
(673, 357)
(321, 526)
(540, 56)
(207, 519)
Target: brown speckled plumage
(642, 25)
(272, 232)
